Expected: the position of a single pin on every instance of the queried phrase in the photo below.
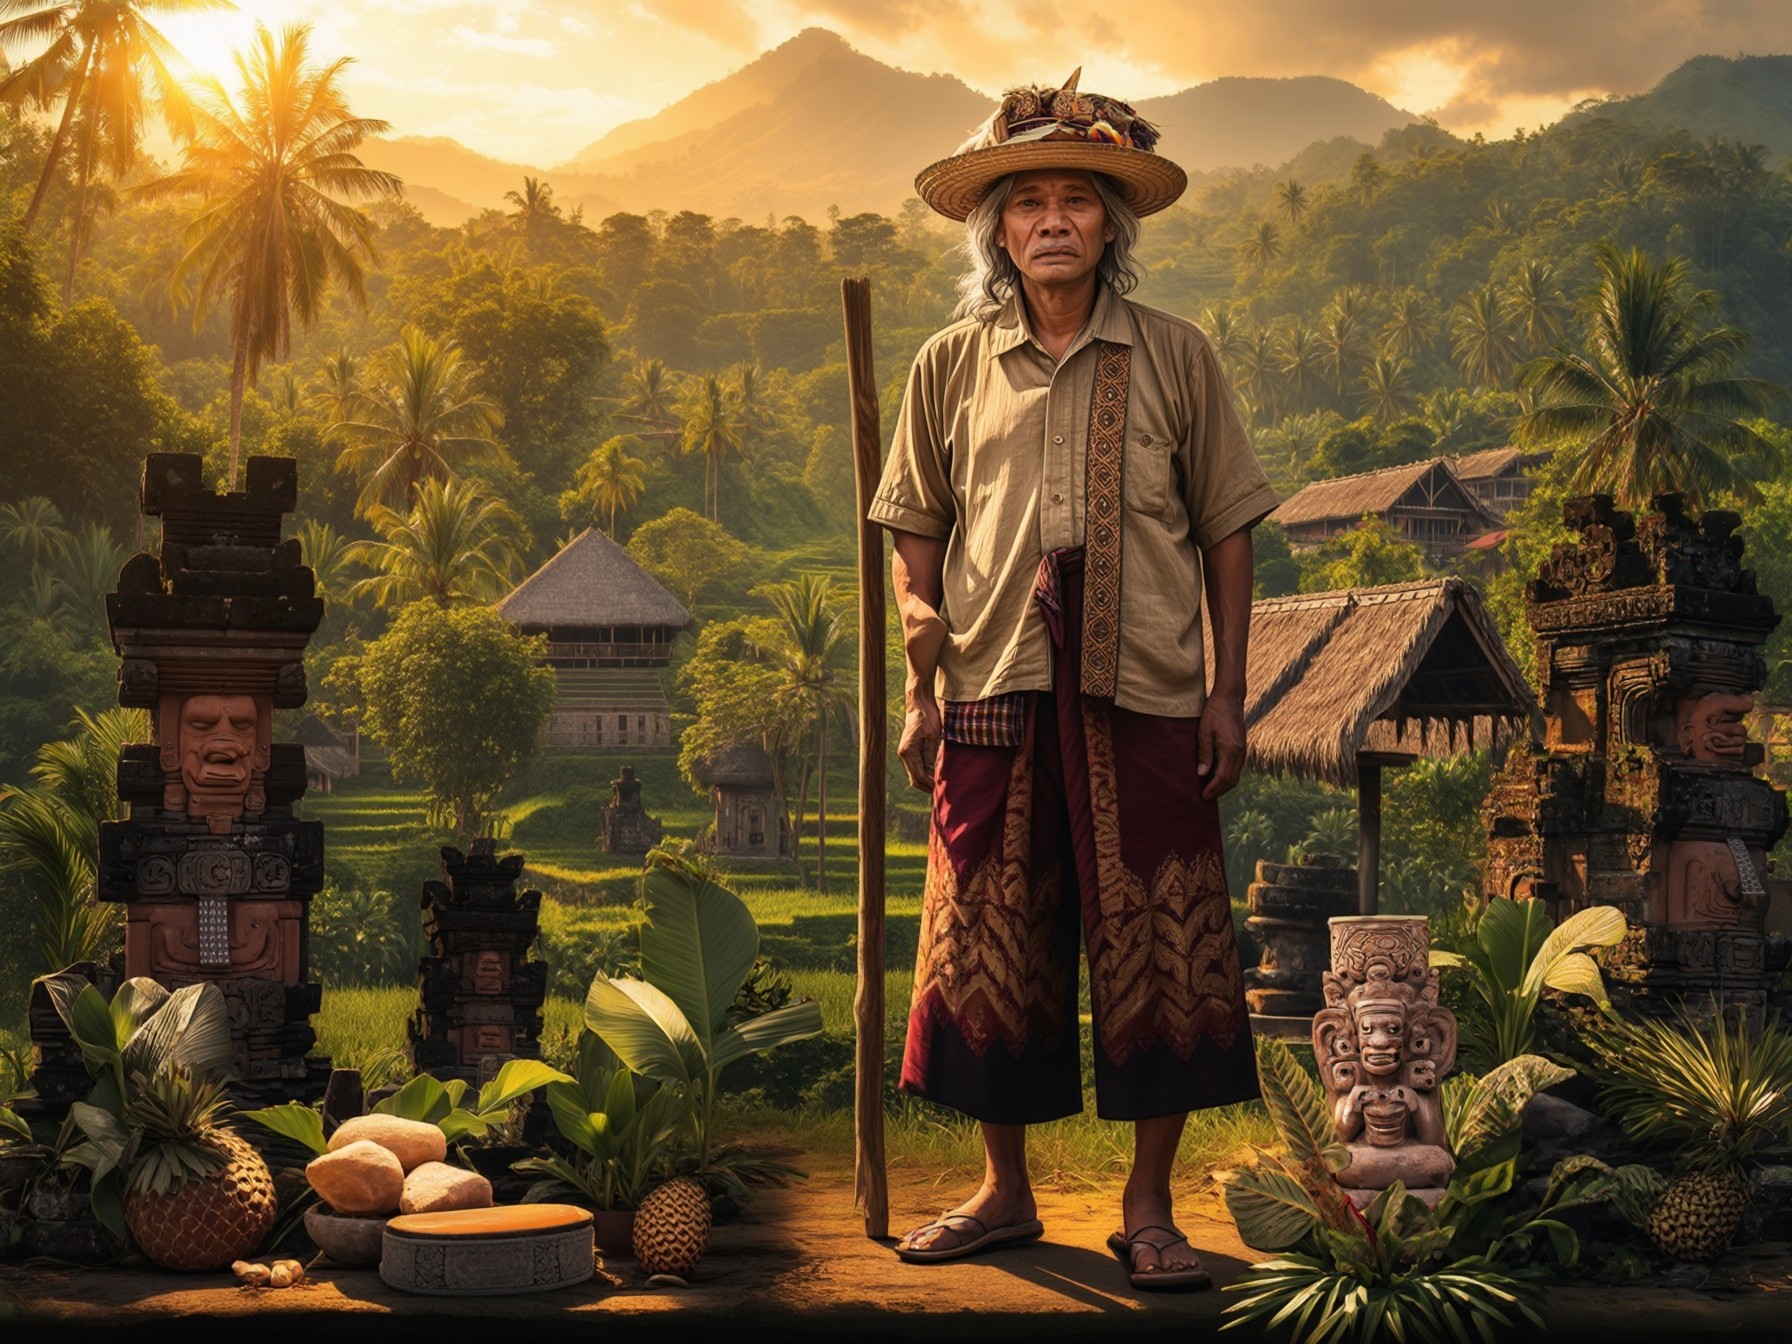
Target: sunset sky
(534, 81)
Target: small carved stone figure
(627, 829)
(1711, 728)
(1383, 1044)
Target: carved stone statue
(627, 827)
(1383, 1045)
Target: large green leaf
(108, 1141)
(294, 1120)
(423, 1098)
(516, 1078)
(10, 1123)
(1272, 1209)
(191, 1029)
(781, 1026)
(619, 1099)
(1496, 1104)
(566, 1103)
(83, 1011)
(1577, 973)
(1596, 926)
(1296, 1104)
(133, 1004)
(646, 1029)
(697, 945)
(1510, 934)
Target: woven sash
(1101, 519)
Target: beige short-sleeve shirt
(989, 455)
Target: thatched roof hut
(1424, 501)
(1407, 668)
(592, 583)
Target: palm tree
(712, 429)
(1535, 305)
(111, 68)
(649, 397)
(813, 652)
(1412, 324)
(535, 211)
(1291, 200)
(1367, 177)
(335, 391)
(611, 479)
(1222, 327)
(1481, 338)
(1261, 247)
(272, 170)
(1387, 391)
(1259, 369)
(420, 419)
(35, 526)
(1652, 405)
(1342, 341)
(752, 407)
(327, 552)
(87, 567)
(1302, 364)
(453, 546)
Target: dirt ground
(798, 1265)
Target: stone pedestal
(1383, 1045)
(1642, 792)
(215, 871)
(480, 994)
(1291, 905)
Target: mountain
(1746, 98)
(1237, 122)
(449, 183)
(814, 124)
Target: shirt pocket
(1145, 484)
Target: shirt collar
(1108, 322)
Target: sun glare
(209, 39)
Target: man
(1068, 475)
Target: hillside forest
(462, 401)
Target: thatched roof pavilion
(1345, 683)
(592, 584)
(1423, 501)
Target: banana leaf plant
(142, 1031)
(17, 1087)
(623, 1138)
(1517, 953)
(698, 945)
(429, 1099)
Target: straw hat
(1042, 127)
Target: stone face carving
(220, 749)
(1383, 1044)
(1641, 791)
(480, 995)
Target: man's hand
(1220, 754)
(920, 744)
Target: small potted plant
(621, 1132)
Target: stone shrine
(215, 871)
(1642, 792)
(1291, 904)
(1383, 1045)
(627, 827)
(480, 994)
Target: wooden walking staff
(870, 1184)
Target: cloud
(464, 36)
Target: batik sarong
(1093, 822)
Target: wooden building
(749, 822)
(1499, 477)
(1424, 501)
(610, 627)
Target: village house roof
(327, 752)
(1488, 463)
(745, 766)
(592, 582)
(1415, 668)
(1373, 492)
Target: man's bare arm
(917, 570)
(1226, 567)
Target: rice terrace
(955, 675)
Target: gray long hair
(984, 288)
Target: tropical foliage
(452, 546)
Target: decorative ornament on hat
(1040, 113)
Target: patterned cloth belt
(998, 721)
(1101, 519)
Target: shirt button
(1057, 498)
(1057, 438)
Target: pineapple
(199, 1197)
(1697, 1215)
(672, 1227)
